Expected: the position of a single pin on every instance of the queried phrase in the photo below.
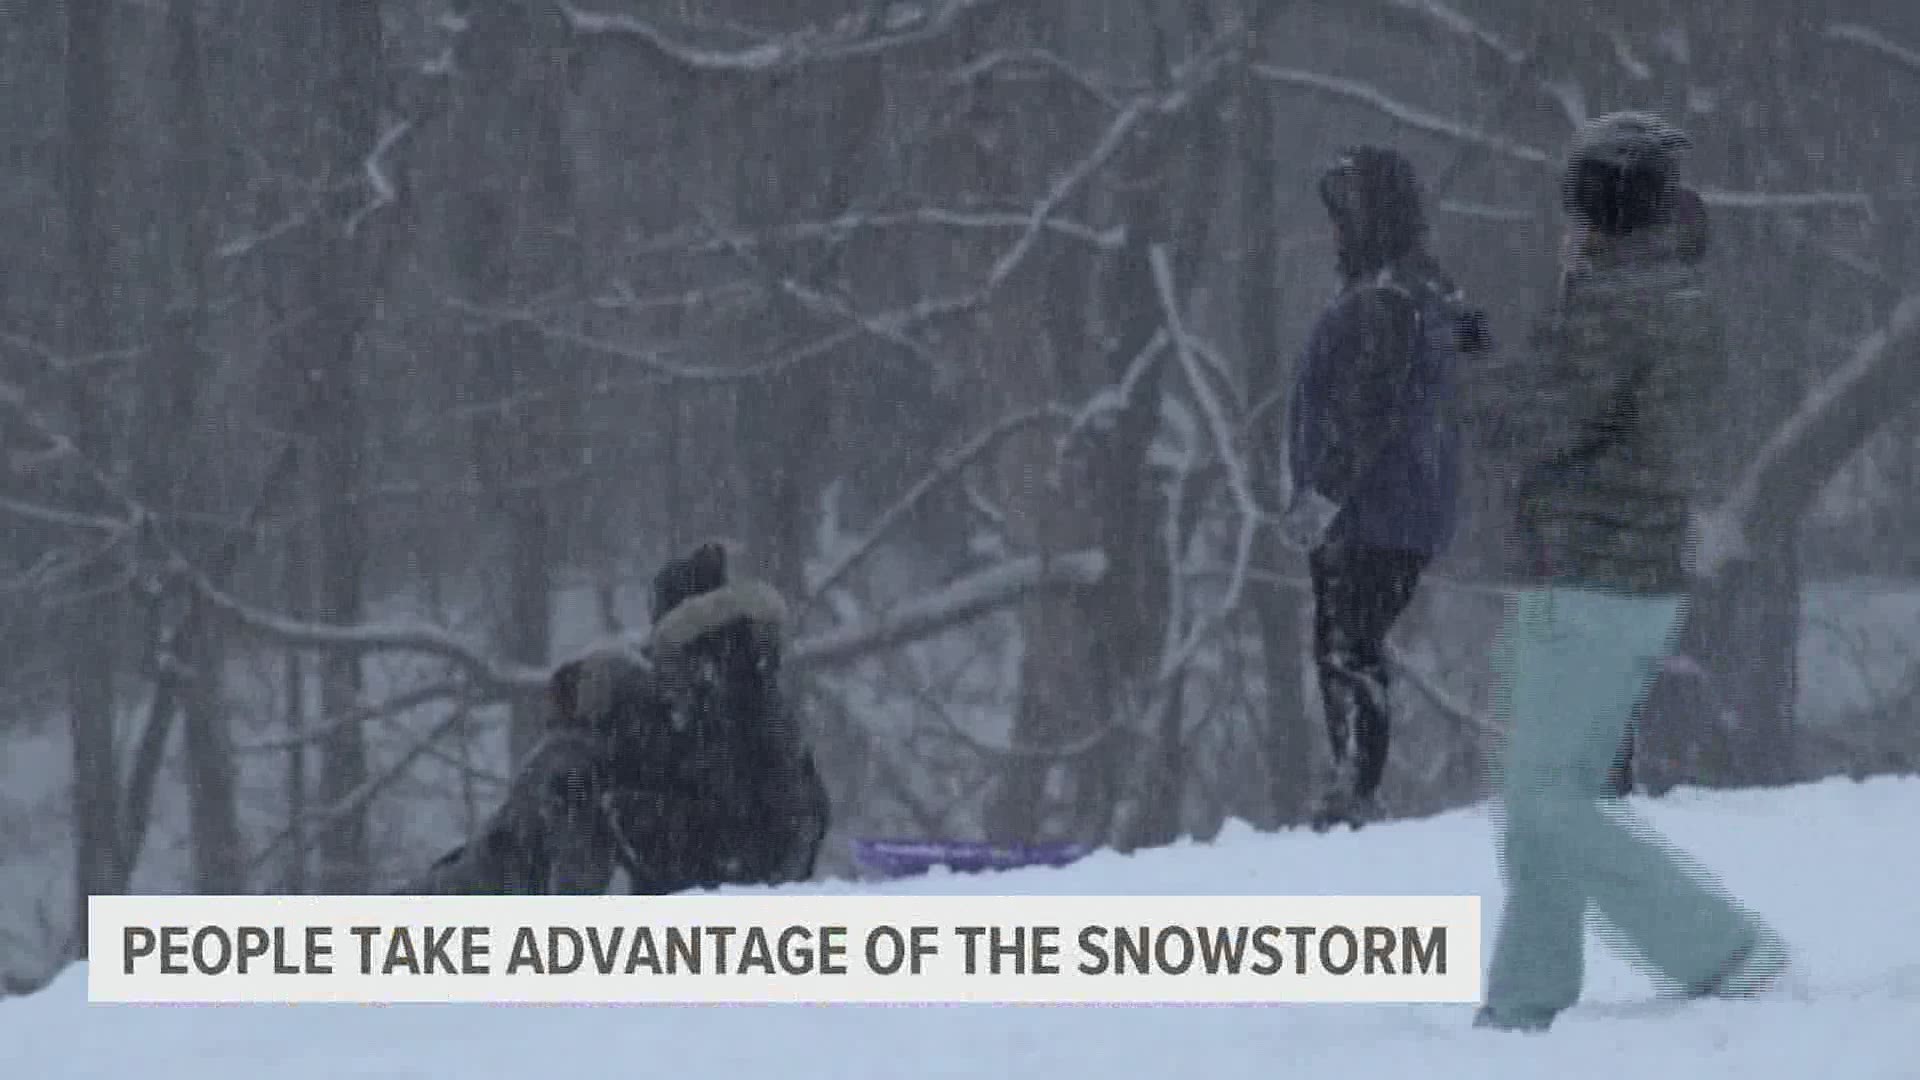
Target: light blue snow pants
(1575, 665)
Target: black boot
(1341, 801)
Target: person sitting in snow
(726, 790)
(679, 765)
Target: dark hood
(1373, 196)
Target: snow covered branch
(656, 365)
(1842, 412)
(57, 363)
(419, 639)
(60, 516)
(901, 24)
(1458, 23)
(1373, 97)
(966, 599)
(1103, 404)
(683, 243)
(385, 193)
(963, 600)
(1042, 59)
(1785, 200)
(1877, 43)
(360, 797)
(1429, 686)
(400, 703)
(1483, 212)
(1220, 431)
(1362, 93)
(895, 323)
(1064, 186)
(946, 471)
(1571, 101)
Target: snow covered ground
(1831, 863)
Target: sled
(908, 858)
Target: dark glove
(1470, 331)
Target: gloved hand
(1307, 519)
(1715, 539)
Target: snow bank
(1822, 860)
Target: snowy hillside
(1829, 862)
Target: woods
(360, 361)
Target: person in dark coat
(552, 833)
(680, 764)
(1372, 455)
(726, 791)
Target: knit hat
(1623, 171)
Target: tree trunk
(1723, 715)
(512, 204)
(95, 614)
(1288, 733)
(1749, 622)
(172, 398)
(340, 283)
(1066, 696)
(298, 592)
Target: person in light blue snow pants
(1575, 664)
(1602, 423)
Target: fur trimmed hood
(745, 598)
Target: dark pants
(1620, 777)
(1358, 594)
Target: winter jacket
(551, 835)
(1604, 427)
(724, 790)
(680, 764)
(1368, 426)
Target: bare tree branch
(945, 472)
(905, 24)
(1877, 43)
(1483, 212)
(1429, 686)
(1880, 379)
(1108, 400)
(1239, 482)
(385, 194)
(966, 599)
(60, 448)
(55, 362)
(1456, 22)
(488, 673)
(359, 798)
(684, 242)
(1043, 59)
(392, 707)
(1373, 97)
(1785, 200)
(72, 519)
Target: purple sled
(907, 858)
